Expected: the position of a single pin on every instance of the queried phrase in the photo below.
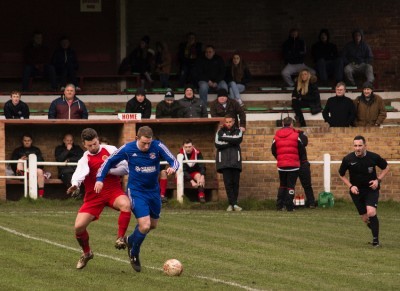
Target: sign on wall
(90, 5)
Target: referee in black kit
(364, 183)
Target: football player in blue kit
(143, 156)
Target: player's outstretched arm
(98, 187)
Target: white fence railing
(33, 163)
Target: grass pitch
(321, 249)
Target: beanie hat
(368, 85)
(140, 91)
(188, 87)
(169, 95)
(222, 93)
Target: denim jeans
(32, 71)
(235, 89)
(351, 69)
(203, 89)
(293, 69)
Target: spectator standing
(357, 58)
(67, 152)
(94, 202)
(287, 148)
(306, 94)
(143, 156)
(189, 52)
(139, 104)
(191, 106)
(15, 108)
(237, 76)
(364, 183)
(22, 153)
(37, 62)
(370, 107)
(194, 172)
(163, 63)
(210, 73)
(168, 108)
(294, 52)
(68, 106)
(229, 159)
(325, 55)
(339, 110)
(65, 63)
(141, 59)
(223, 106)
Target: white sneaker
(237, 208)
(229, 208)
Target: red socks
(40, 192)
(123, 222)
(163, 187)
(83, 240)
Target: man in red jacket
(287, 148)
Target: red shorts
(96, 205)
(193, 174)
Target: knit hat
(169, 95)
(188, 87)
(368, 85)
(140, 91)
(222, 93)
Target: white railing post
(327, 173)
(179, 180)
(25, 179)
(32, 176)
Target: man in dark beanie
(167, 108)
(370, 107)
(139, 104)
(223, 106)
(190, 106)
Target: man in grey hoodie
(357, 58)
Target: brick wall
(263, 26)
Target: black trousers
(305, 180)
(285, 195)
(66, 178)
(231, 181)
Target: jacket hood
(285, 131)
(322, 31)
(358, 30)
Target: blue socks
(135, 240)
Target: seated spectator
(168, 108)
(22, 153)
(65, 63)
(67, 152)
(294, 52)
(163, 63)
(141, 59)
(325, 55)
(223, 106)
(370, 107)
(194, 172)
(237, 76)
(306, 94)
(210, 73)
(15, 108)
(139, 104)
(37, 62)
(68, 106)
(189, 52)
(339, 110)
(191, 106)
(357, 58)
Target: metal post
(33, 176)
(179, 180)
(327, 173)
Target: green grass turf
(321, 249)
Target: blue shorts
(145, 204)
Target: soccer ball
(173, 267)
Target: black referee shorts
(366, 197)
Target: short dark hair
(145, 131)
(287, 121)
(188, 140)
(26, 134)
(229, 115)
(359, 137)
(88, 134)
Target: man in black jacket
(139, 104)
(168, 108)
(229, 159)
(339, 110)
(190, 106)
(15, 108)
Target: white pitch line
(12, 231)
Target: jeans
(351, 69)
(164, 79)
(32, 71)
(203, 89)
(235, 89)
(330, 67)
(293, 69)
